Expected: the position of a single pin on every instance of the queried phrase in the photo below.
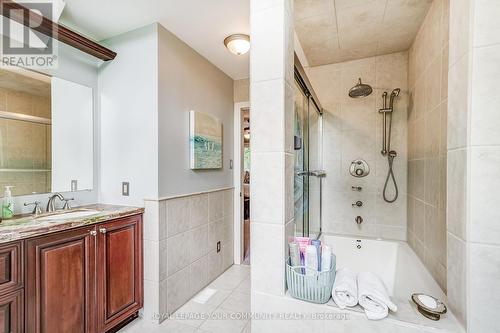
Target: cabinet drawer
(12, 312)
(11, 267)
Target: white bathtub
(402, 272)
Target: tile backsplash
(180, 245)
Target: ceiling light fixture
(238, 43)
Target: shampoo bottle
(8, 203)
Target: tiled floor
(220, 314)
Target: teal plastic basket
(313, 286)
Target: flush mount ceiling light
(238, 43)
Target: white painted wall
(187, 81)
(128, 89)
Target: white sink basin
(69, 215)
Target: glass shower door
(307, 179)
(301, 204)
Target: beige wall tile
(427, 141)
(485, 118)
(484, 303)
(486, 23)
(457, 192)
(484, 215)
(456, 277)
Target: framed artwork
(205, 137)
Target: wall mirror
(46, 133)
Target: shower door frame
(305, 85)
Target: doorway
(242, 175)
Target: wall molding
(191, 194)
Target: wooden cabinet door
(60, 282)
(11, 312)
(11, 267)
(119, 270)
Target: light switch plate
(125, 189)
(74, 185)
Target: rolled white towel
(345, 289)
(373, 296)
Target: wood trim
(55, 30)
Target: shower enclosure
(309, 172)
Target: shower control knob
(358, 204)
(359, 220)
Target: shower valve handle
(358, 204)
(359, 220)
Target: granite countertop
(26, 226)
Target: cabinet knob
(102, 230)
(93, 232)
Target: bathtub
(403, 274)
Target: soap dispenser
(8, 203)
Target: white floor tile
(214, 316)
(228, 281)
(168, 326)
(237, 302)
(224, 321)
(244, 286)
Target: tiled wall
(271, 184)
(241, 90)
(353, 129)
(25, 146)
(427, 147)
(180, 247)
(473, 164)
(458, 137)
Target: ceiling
(332, 31)
(201, 24)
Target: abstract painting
(205, 137)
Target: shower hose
(390, 174)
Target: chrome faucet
(37, 209)
(51, 207)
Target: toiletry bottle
(317, 243)
(311, 259)
(294, 254)
(326, 259)
(8, 203)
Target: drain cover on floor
(204, 295)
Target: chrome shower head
(360, 90)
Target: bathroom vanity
(76, 271)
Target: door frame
(238, 182)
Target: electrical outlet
(125, 189)
(218, 246)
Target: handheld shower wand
(386, 142)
